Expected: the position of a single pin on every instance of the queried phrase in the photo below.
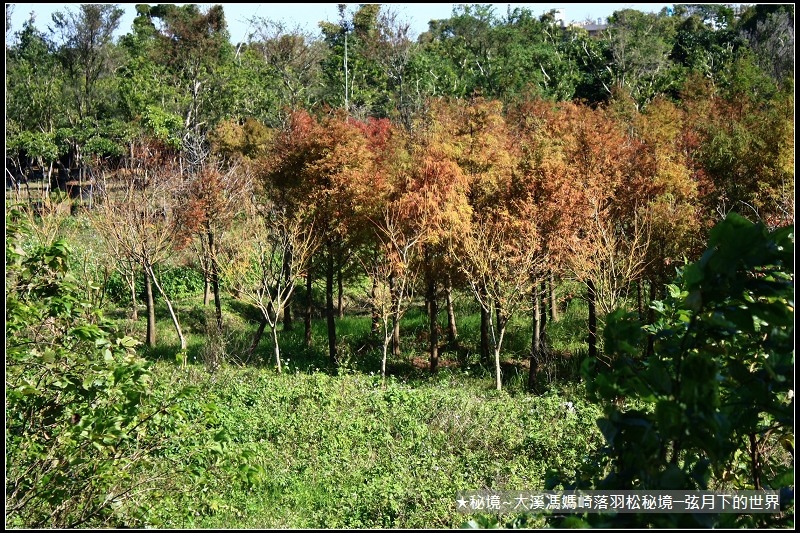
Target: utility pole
(346, 75)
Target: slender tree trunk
(169, 307)
(376, 316)
(501, 329)
(288, 323)
(92, 181)
(81, 166)
(395, 323)
(309, 305)
(591, 298)
(497, 371)
(535, 339)
(151, 310)
(287, 308)
(388, 335)
(340, 289)
(132, 285)
(257, 337)
(553, 301)
(386, 341)
(545, 299)
(452, 332)
(543, 315)
(46, 182)
(396, 339)
(274, 327)
(206, 272)
(329, 309)
(434, 323)
(498, 313)
(484, 333)
(28, 176)
(639, 306)
(215, 278)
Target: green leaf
(128, 342)
(693, 274)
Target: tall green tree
(192, 44)
(640, 45)
(143, 75)
(33, 82)
(461, 53)
(88, 56)
(391, 48)
(536, 56)
(355, 81)
(706, 40)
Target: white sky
(307, 15)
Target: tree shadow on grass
(246, 311)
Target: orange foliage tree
(668, 191)
(576, 166)
(209, 201)
(498, 255)
(434, 191)
(744, 145)
(322, 167)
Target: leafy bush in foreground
(82, 437)
(716, 388)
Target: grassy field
(324, 447)
(346, 451)
(340, 448)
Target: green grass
(348, 451)
(340, 449)
(325, 447)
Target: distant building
(593, 28)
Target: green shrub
(118, 290)
(178, 282)
(74, 391)
(92, 440)
(713, 402)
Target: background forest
(329, 281)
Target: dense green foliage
(429, 215)
(74, 393)
(88, 429)
(178, 282)
(715, 394)
(349, 452)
